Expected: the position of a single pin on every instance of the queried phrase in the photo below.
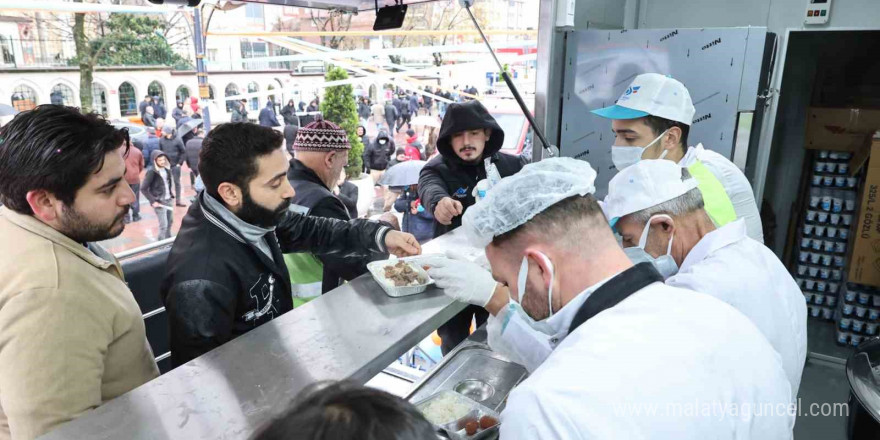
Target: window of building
(182, 93)
(231, 90)
(280, 51)
(61, 95)
(99, 99)
(259, 49)
(156, 89)
(212, 54)
(128, 104)
(8, 55)
(210, 92)
(24, 98)
(272, 96)
(253, 12)
(255, 102)
(252, 49)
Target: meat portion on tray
(402, 274)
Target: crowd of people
(403, 105)
(162, 153)
(660, 294)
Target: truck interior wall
(787, 153)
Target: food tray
(454, 429)
(376, 268)
(474, 371)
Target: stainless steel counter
(352, 333)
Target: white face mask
(524, 273)
(623, 156)
(664, 264)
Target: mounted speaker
(389, 17)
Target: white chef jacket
(511, 336)
(653, 367)
(738, 189)
(732, 267)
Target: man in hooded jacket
(289, 114)
(379, 154)
(468, 136)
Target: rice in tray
(444, 409)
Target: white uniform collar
(711, 242)
(691, 155)
(561, 320)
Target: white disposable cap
(646, 184)
(518, 198)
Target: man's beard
(258, 215)
(83, 230)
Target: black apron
(614, 291)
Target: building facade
(37, 67)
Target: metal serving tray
(475, 371)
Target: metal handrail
(153, 313)
(144, 249)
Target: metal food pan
(477, 372)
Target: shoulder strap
(614, 291)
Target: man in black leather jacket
(226, 274)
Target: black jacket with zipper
(311, 193)
(219, 286)
(174, 149)
(348, 193)
(152, 187)
(289, 115)
(378, 155)
(446, 175)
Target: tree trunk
(86, 68)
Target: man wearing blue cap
(651, 120)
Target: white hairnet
(519, 198)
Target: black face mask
(258, 215)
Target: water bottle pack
(823, 239)
(859, 316)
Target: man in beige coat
(71, 333)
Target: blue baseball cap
(619, 112)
